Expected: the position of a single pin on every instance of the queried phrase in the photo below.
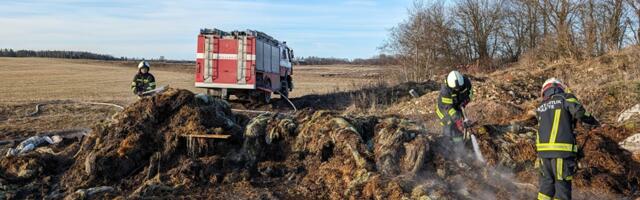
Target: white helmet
(56, 139)
(143, 64)
(455, 79)
(552, 82)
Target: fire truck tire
(284, 91)
(289, 83)
(266, 96)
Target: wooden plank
(212, 136)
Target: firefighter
(455, 94)
(557, 115)
(143, 81)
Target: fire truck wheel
(266, 96)
(285, 93)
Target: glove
(460, 125)
(592, 125)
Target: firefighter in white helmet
(143, 81)
(455, 94)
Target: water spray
(474, 141)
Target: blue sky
(149, 29)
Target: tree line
(489, 33)
(79, 55)
(55, 54)
(381, 59)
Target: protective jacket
(143, 82)
(557, 115)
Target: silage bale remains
(146, 132)
(336, 157)
(326, 134)
(262, 136)
(400, 147)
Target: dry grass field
(44, 79)
(61, 85)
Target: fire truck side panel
(275, 62)
(225, 61)
(260, 55)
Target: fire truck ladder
(242, 58)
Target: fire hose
(474, 142)
(38, 108)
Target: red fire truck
(250, 65)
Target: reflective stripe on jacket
(143, 82)
(557, 117)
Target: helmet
(552, 83)
(455, 79)
(143, 64)
(56, 139)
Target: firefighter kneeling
(556, 143)
(143, 81)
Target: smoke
(458, 171)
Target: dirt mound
(606, 167)
(32, 175)
(146, 139)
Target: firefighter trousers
(450, 130)
(555, 178)
(455, 141)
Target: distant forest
(76, 55)
(56, 54)
(381, 59)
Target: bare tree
(589, 25)
(436, 37)
(521, 28)
(635, 5)
(479, 21)
(426, 41)
(613, 12)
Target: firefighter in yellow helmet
(143, 81)
(557, 115)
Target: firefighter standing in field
(557, 115)
(143, 81)
(455, 94)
